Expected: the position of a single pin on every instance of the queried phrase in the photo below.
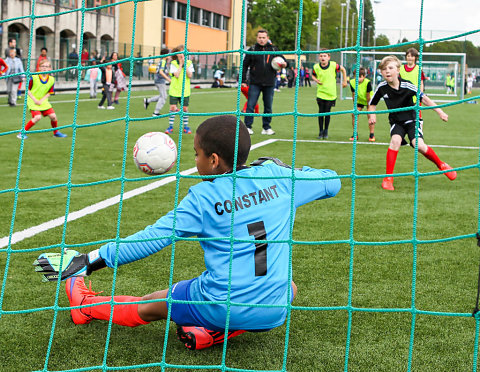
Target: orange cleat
(197, 338)
(387, 184)
(371, 139)
(77, 292)
(451, 175)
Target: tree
(279, 18)
(382, 40)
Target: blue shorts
(185, 314)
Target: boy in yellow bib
(325, 75)
(363, 97)
(177, 67)
(40, 88)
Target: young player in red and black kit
(399, 93)
(40, 88)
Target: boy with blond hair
(40, 88)
(399, 93)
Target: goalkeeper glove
(269, 160)
(74, 264)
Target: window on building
(182, 11)
(169, 8)
(110, 10)
(225, 23)
(47, 1)
(206, 18)
(68, 3)
(195, 15)
(217, 20)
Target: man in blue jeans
(259, 75)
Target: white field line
(121, 98)
(34, 230)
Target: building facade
(59, 26)
(214, 26)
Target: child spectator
(93, 76)
(108, 82)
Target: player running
(40, 88)
(399, 93)
(259, 271)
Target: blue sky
(441, 18)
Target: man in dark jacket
(262, 79)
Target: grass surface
(356, 252)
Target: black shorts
(360, 105)
(325, 105)
(178, 100)
(406, 128)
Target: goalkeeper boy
(40, 88)
(259, 271)
(399, 93)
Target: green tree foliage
(279, 19)
(382, 40)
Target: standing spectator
(73, 61)
(325, 75)
(139, 66)
(302, 76)
(469, 83)
(73, 58)
(12, 44)
(161, 78)
(178, 68)
(41, 57)
(84, 57)
(307, 77)
(262, 80)
(108, 82)
(93, 76)
(120, 82)
(291, 76)
(15, 66)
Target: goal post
(436, 68)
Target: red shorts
(44, 112)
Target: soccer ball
(155, 153)
(277, 62)
(152, 68)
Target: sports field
(403, 265)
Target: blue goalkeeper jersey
(260, 249)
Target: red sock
(125, 315)
(29, 125)
(391, 159)
(54, 125)
(257, 110)
(245, 107)
(432, 156)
